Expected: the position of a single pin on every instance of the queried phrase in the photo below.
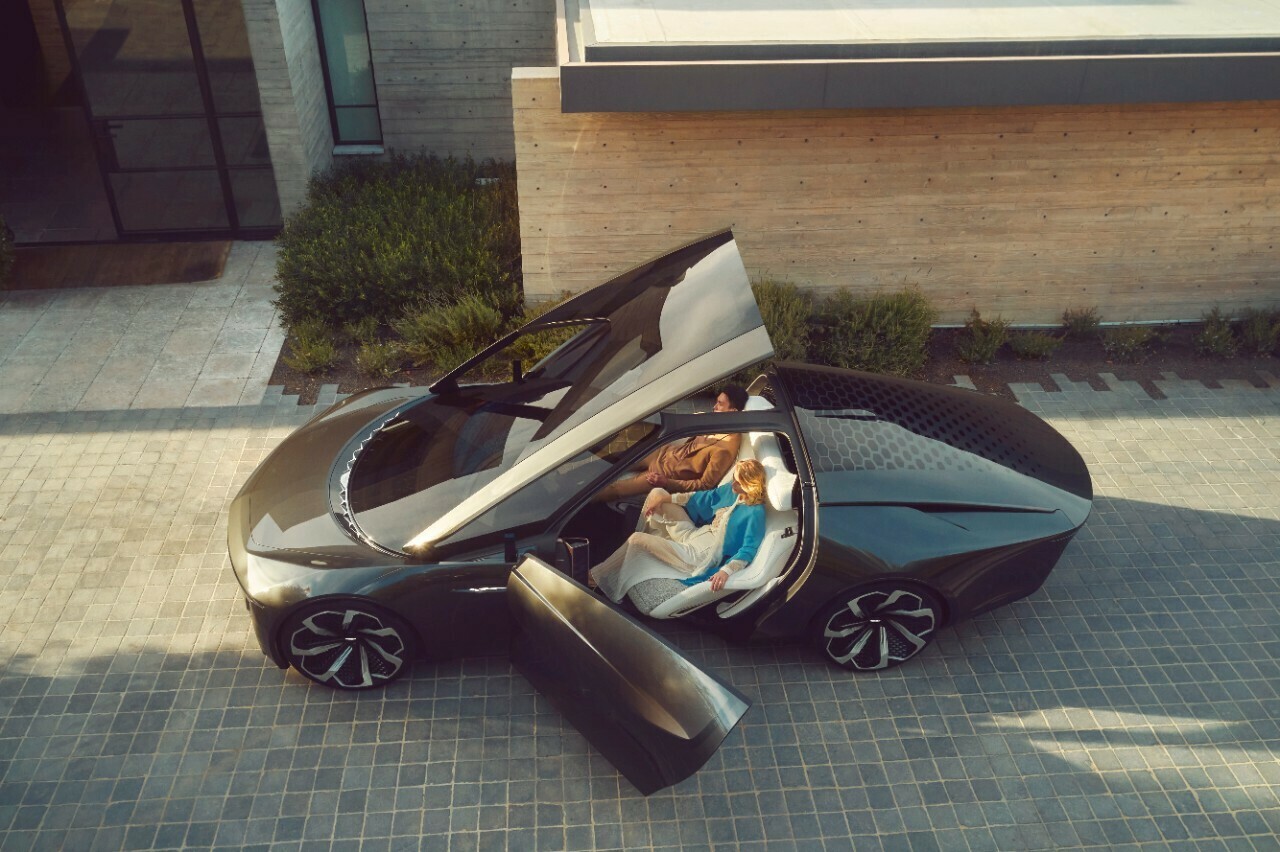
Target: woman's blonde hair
(749, 474)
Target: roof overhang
(647, 65)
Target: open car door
(651, 712)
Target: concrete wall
(286, 59)
(1149, 212)
(443, 70)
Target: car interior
(605, 526)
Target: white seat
(781, 533)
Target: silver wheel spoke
(332, 672)
(916, 642)
(857, 646)
(320, 649)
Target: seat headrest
(757, 403)
(779, 487)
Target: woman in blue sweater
(701, 537)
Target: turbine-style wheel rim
(347, 648)
(879, 629)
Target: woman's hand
(654, 501)
(718, 580)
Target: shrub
(1259, 331)
(532, 348)
(788, 312)
(363, 330)
(7, 253)
(887, 333)
(378, 360)
(1127, 343)
(447, 335)
(376, 235)
(1081, 322)
(981, 339)
(1216, 338)
(1034, 345)
(311, 347)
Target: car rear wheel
(877, 627)
(348, 645)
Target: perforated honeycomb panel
(852, 440)
(872, 422)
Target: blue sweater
(743, 534)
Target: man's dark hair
(737, 396)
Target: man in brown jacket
(695, 464)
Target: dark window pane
(161, 143)
(358, 124)
(244, 141)
(256, 201)
(166, 201)
(135, 57)
(227, 56)
(345, 42)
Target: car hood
(286, 503)
(883, 440)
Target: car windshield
(633, 345)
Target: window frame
(339, 142)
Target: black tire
(347, 645)
(878, 626)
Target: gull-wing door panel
(652, 713)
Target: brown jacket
(697, 464)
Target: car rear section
(964, 494)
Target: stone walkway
(1134, 702)
(206, 344)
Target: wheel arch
(413, 637)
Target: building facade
(1020, 163)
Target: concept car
(407, 522)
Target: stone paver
(92, 349)
(1132, 702)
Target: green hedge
(887, 333)
(377, 236)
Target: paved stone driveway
(213, 343)
(1131, 701)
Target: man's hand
(718, 580)
(657, 480)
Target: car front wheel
(347, 645)
(878, 626)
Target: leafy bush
(887, 333)
(1127, 343)
(376, 235)
(981, 339)
(1216, 338)
(1259, 331)
(311, 347)
(7, 253)
(532, 348)
(1034, 345)
(788, 313)
(447, 335)
(363, 330)
(379, 360)
(1081, 322)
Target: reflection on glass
(163, 201)
(358, 124)
(345, 40)
(257, 204)
(135, 57)
(244, 141)
(160, 143)
(226, 54)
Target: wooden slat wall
(443, 70)
(1149, 212)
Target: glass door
(178, 134)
